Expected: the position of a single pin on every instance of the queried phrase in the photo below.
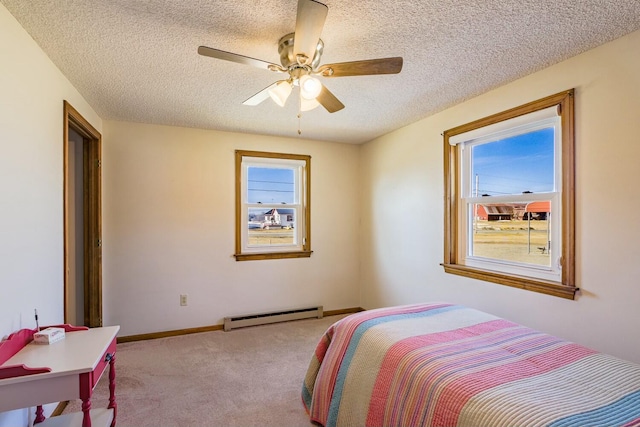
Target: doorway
(82, 220)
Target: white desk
(77, 363)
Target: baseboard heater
(234, 322)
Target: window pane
(514, 165)
(514, 232)
(270, 185)
(269, 227)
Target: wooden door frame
(92, 192)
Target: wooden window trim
(564, 289)
(306, 247)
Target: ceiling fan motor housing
(287, 58)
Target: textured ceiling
(136, 60)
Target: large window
(272, 206)
(509, 211)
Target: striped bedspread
(449, 365)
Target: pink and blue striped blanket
(449, 365)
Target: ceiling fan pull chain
(299, 114)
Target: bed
(449, 365)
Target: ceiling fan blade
(362, 68)
(329, 100)
(240, 59)
(309, 23)
(260, 96)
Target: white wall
(32, 91)
(169, 221)
(403, 198)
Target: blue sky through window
(514, 165)
(270, 185)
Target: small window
(272, 206)
(509, 185)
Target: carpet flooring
(246, 377)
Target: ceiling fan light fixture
(281, 92)
(308, 104)
(310, 87)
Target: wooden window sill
(272, 255)
(535, 285)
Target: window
(509, 210)
(272, 206)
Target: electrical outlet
(183, 299)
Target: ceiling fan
(300, 54)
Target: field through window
(520, 241)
